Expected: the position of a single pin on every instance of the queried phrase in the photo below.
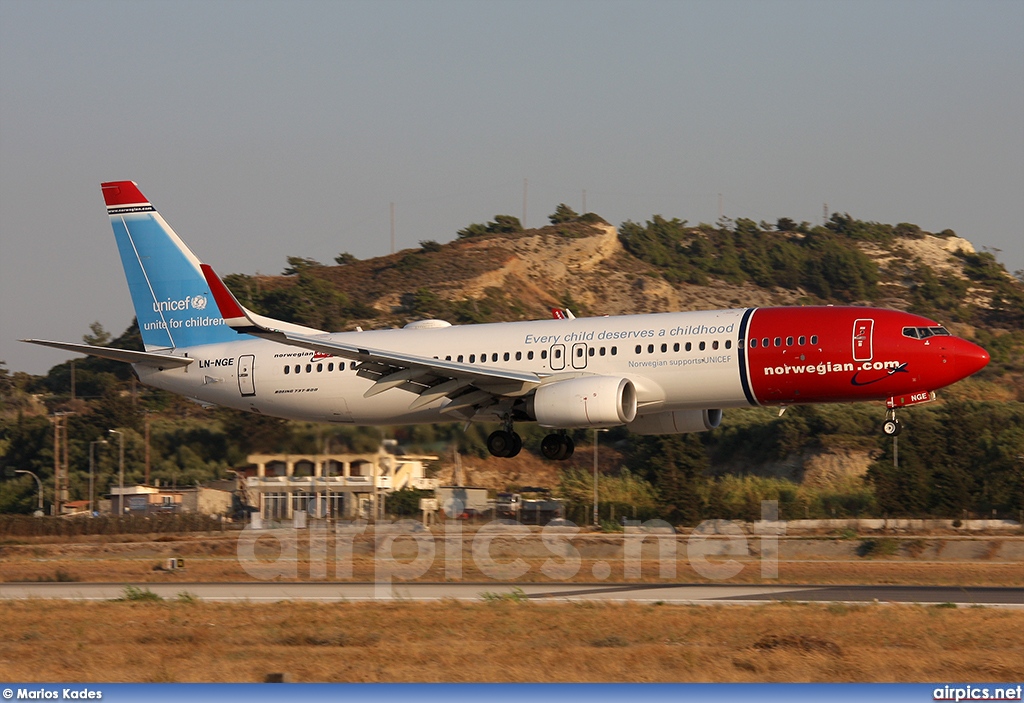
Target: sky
(262, 130)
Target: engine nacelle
(588, 401)
(676, 422)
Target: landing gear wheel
(568, 447)
(557, 447)
(517, 445)
(504, 443)
(892, 427)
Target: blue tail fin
(172, 300)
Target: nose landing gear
(891, 427)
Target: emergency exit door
(246, 383)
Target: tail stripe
(149, 284)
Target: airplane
(662, 373)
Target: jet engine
(676, 422)
(588, 401)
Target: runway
(680, 594)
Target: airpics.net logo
(195, 302)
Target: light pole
(26, 471)
(596, 521)
(120, 499)
(92, 470)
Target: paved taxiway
(691, 594)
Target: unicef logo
(199, 302)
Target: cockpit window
(925, 332)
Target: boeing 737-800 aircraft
(656, 374)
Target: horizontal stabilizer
(163, 361)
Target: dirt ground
(982, 561)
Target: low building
(144, 500)
(331, 485)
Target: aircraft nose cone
(970, 358)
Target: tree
(502, 224)
(99, 337)
(297, 264)
(676, 465)
(563, 213)
(345, 259)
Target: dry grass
(505, 641)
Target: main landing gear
(557, 446)
(891, 426)
(504, 443)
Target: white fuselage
(686, 360)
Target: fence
(24, 525)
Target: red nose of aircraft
(970, 358)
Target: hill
(664, 265)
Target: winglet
(234, 314)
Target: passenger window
(506, 357)
(309, 368)
(664, 348)
(753, 343)
(638, 349)
(319, 368)
(287, 369)
(519, 356)
(543, 353)
(615, 350)
(802, 341)
(765, 342)
(352, 365)
(459, 358)
(494, 356)
(703, 346)
(448, 358)
(814, 339)
(472, 358)
(579, 351)
(602, 351)
(789, 341)
(675, 347)
(591, 352)
(297, 368)
(650, 348)
(778, 341)
(330, 366)
(558, 353)
(689, 346)
(728, 344)
(714, 344)
(529, 355)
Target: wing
(467, 388)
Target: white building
(331, 485)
